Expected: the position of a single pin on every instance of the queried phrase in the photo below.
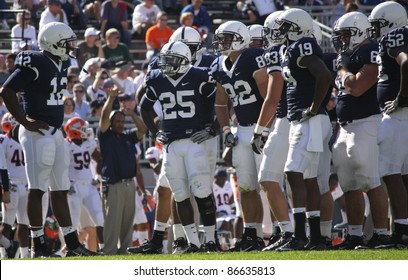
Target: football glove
(343, 59)
(258, 143)
(230, 140)
(399, 102)
(306, 114)
(162, 138)
(202, 135)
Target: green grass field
(395, 254)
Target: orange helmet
(77, 128)
(8, 122)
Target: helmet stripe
(183, 30)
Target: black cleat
(378, 241)
(400, 240)
(11, 251)
(294, 244)
(180, 245)
(209, 247)
(146, 248)
(191, 248)
(273, 239)
(284, 238)
(247, 244)
(350, 243)
(316, 246)
(81, 251)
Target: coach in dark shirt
(118, 169)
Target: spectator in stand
(82, 107)
(115, 15)
(69, 109)
(92, 9)
(53, 13)
(75, 16)
(34, 7)
(90, 47)
(10, 62)
(201, 17)
(144, 17)
(138, 81)
(122, 79)
(258, 11)
(72, 79)
(113, 50)
(351, 7)
(187, 19)
(96, 90)
(3, 17)
(157, 35)
(88, 73)
(25, 31)
(96, 109)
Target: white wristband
(345, 77)
(259, 129)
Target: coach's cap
(91, 31)
(220, 173)
(54, 2)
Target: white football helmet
(188, 36)
(292, 25)
(386, 17)
(317, 33)
(267, 32)
(58, 39)
(255, 32)
(174, 58)
(231, 36)
(353, 25)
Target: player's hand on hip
(230, 140)
(393, 105)
(36, 126)
(6, 197)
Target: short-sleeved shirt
(157, 36)
(118, 154)
(114, 15)
(120, 53)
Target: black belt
(345, 123)
(121, 181)
(246, 124)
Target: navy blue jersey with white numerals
(330, 61)
(351, 107)
(273, 57)
(239, 83)
(42, 83)
(389, 71)
(301, 83)
(180, 100)
(204, 60)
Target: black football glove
(162, 138)
(343, 59)
(258, 143)
(202, 135)
(230, 140)
(306, 114)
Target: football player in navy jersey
(178, 87)
(274, 147)
(389, 21)
(355, 152)
(41, 76)
(307, 80)
(241, 76)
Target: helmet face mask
(268, 31)
(8, 122)
(174, 58)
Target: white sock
(37, 233)
(101, 246)
(209, 232)
(325, 228)
(159, 226)
(250, 225)
(4, 241)
(312, 214)
(178, 231)
(143, 236)
(259, 230)
(67, 230)
(401, 221)
(356, 230)
(344, 216)
(286, 226)
(3, 253)
(24, 252)
(165, 244)
(192, 235)
(380, 231)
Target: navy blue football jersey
(239, 83)
(330, 61)
(274, 58)
(204, 60)
(301, 83)
(42, 83)
(180, 100)
(351, 107)
(389, 71)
